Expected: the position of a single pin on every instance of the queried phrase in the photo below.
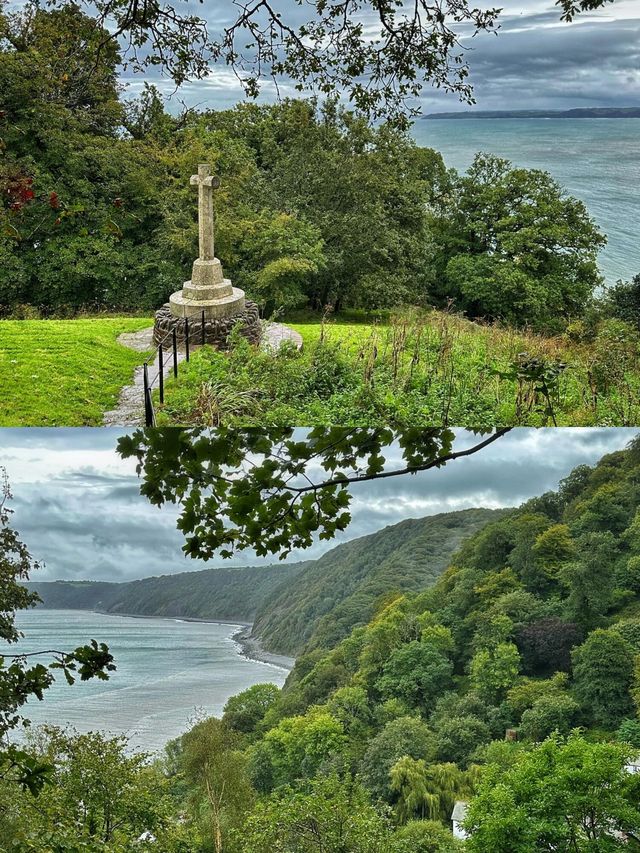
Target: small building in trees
(458, 816)
(634, 765)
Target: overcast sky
(78, 507)
(535, 61)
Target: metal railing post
(174, 339)
(203, 327)
(148, 405)
(161, 372)
(186, 338)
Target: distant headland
(582, 112)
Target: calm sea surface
(167, 671)
(597, 160)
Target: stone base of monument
(216, 329)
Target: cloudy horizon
(78, 508)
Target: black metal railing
(165, 353)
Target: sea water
(169, 673)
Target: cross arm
(211, 181)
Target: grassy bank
(63, 372)
(428, 369)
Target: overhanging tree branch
(379, 54)
(240, 489)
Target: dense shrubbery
(316, 208)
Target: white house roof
(459, 812)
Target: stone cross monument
(208, 290)
(208, 295)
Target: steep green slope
(533, 629)
(345, 587)
(210, 594)
(535, 626)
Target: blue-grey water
(596, 160)
(168, 672)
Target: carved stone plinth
(217, 301)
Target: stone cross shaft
(206, 183)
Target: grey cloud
(593, 63)
(71, 438)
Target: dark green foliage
(245, 711)
(516, 247)
(630, 630)
(548, 714)
(404, 736)
(629, 732)
(603, 675)
(623, 301)
(589, 580)
(457, 738)
(416, 673)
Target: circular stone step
(220, 307)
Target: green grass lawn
(64, 372)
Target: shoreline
(251, 648)
(240, 622)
